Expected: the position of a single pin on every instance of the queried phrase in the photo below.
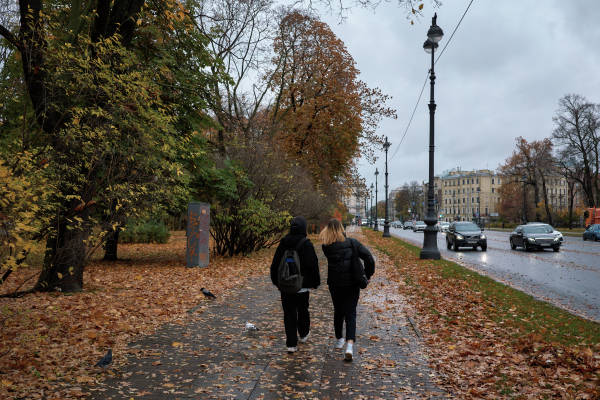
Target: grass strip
(467, 318)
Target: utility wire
(425, 83)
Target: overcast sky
(500, 77)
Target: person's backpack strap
(300, 243)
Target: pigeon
(207, 293)
(250, 327)
(105, 361)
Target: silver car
(443, 226)
(419, 226)
(550, 229)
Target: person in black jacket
(296, 317)
(344, 290)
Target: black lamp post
(430, 250)
(371, 209)
(386, 222)
(366, 205)
(376, 215)
(524, 200)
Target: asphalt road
(569, 278)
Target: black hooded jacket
(339, 262)
(306, 253)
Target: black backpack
(289, 274)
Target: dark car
(407, 225)
(533, 237)
(592, 233)
(465, 234)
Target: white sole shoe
(339, 343)
(291, 350)
(304, 339)
(348, 355)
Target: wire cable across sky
(425, 83)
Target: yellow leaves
(59, 275)
(176, 344)
(420, 6)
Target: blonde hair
(333, 232)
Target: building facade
(465, 195)
(354, 200)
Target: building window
(486, 211)
(463, 181)
(477, 180)
(445, 183)
(445, 201)
(493, 190)
(498, 181)
(478, 199)
(472, 199)
(453, 183)
(492, 181)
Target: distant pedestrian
(296, 317)
(344, 290)
(502, 224)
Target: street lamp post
(430, 250)
(366, 205)
(376, 215)
(371, 209)
(524, 200)
(386, 222)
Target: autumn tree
(95, 117)
(533, 162)
(321, 114)
(577, 136)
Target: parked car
(465, 234)
(443, 226)
(419, 226)
(396, 224)
(407, 225)
(533, 237)
(592, 233)
(364, 222)
(551, 229)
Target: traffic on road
(568, 277)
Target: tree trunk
(64, 260)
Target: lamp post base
(376, 229)
(430, 250)
(386, 229)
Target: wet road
(569, 278)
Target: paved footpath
(215, 358)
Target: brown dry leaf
(156, 363)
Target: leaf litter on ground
(49, 342)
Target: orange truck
(592, 216)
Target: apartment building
(354, 200)
(466, 195)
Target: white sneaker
(291, 350)
(348, 354)
(304, 339)
(339, 343)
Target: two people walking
(344, 290)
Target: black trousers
(295, 316)
(345, 300)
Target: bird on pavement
(250, 327)
(105, 361)
(207, 293)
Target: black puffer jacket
(306, 253)
(339, 257)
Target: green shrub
(145, 232)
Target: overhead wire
(425, 83)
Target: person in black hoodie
(344, 290)
(296, 317)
